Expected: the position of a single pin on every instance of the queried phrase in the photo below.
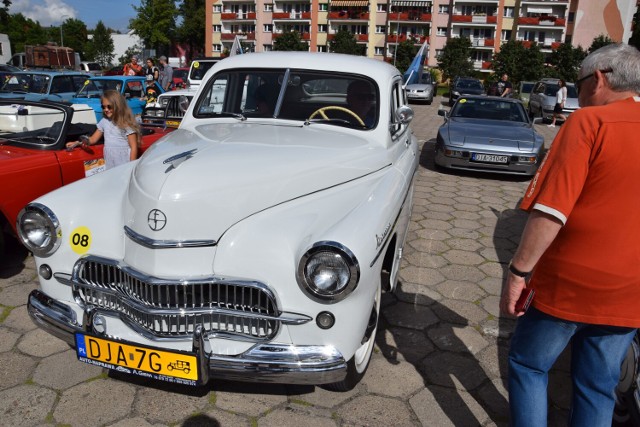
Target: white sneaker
(551, 126)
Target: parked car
(114, 71)
(92, 68)
(524, 91)
(491, 134)
(171, 106)
(465, 86)
(37, 85)
(180, 77)
(134, 88)
(423, 91)
(33, 157)
(249, 246)
(542, 99)
(8, 68)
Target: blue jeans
(596, 355)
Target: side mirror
(404, 115)
(443, 113)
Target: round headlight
(183, 103)
(39, 229)
(328, 272)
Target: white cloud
(46, 12)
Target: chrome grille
(173, 110)
(167, 308)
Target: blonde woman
(120, 129)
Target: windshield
(527, 87)
(93, 88)
(199, 69)
(332, 98)
(469, 84)
(27, 82)
(552, 89)
(30, 125)
(489, 109)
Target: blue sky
(113, 13)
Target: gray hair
(622, 59)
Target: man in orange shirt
(581, 249)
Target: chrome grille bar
(173, 308)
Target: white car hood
(236, 170)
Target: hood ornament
(177, 159)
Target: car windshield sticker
(92, 167)
(462, 101)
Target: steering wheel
(321, 112)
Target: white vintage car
(252, 243)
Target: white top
(561, 95)
(113, 135)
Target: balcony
(410, 16)
(483, 43)
(235, 16)
(543, 21)
(242, 36)
(392, 38)
(292, 15)
(303, 36)
(474, 19)
(349, 15)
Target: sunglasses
(107, 107)
(588, 76)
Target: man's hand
(510, 294)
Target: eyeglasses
(107, 107)
(588, 76)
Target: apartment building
(381, 24)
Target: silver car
(422, 91)
(542, 99)
(491, 134)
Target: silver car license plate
(489, 158)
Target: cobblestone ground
(441, 344)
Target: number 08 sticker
(80, 240)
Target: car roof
(49, 73)
(141, 78)
(378, 70)
(496, 98)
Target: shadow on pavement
(12, 260)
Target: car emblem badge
(178, 159)
(156, 219)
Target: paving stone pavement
(441, 344)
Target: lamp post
(62, 22)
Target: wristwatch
(84, 139)
(517, 272)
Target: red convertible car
(33, 157)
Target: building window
(443, 9)
(506, 35)
(217, 8)
(268, 7)
(323, 7)
(381, 7)
(380, 29)
(508, 12)
(441, 31)
(572, 16)
(217, 48)
(379, 50)
(217, 28)
(267, 47)
(267, 28)
(438, 53)
(322, 28)
(322, 48)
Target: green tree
(405, 52)
(4, 12)
(345, 42)
(566, 62)
(192, 28)
(100, 47)
(133, 50)
(455, 59)
(600, 41)
(290, 41)
(23, 31)
(519, 62)
(155, 23)
(74, 35)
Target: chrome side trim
(150, 243)
(264, 363)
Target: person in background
(561, 98)
(152, 73)
(166, 73)
(504, 86)
(579, 249)
(132, 68)
(121, 131)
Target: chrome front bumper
(269, 363)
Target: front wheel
(358, 364)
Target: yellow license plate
(172, 124)
(138, 360)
